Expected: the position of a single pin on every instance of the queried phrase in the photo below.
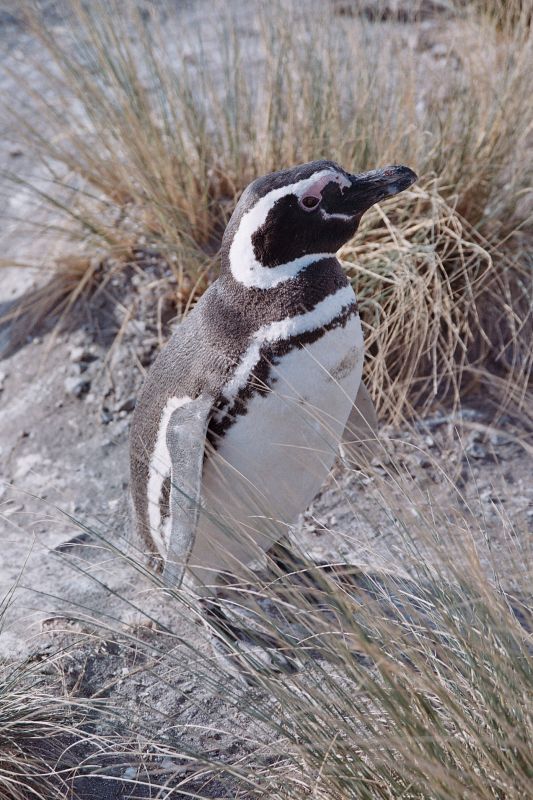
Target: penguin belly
(274, 458)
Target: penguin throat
(252, 274)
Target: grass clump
(413, 680)
(45, 739)
(148, 144)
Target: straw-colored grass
(414, 681)
(149, 132)
(444, 313)
(44, 738)
(153, 127)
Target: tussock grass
(414, 680)
(436, 703)
(418, 685)
(154, 126)
(441, 308)
(45, 741)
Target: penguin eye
(310, 202)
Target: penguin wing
(359, 439)
(186, 435)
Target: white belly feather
(275, 457)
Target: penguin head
(286, 220)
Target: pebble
(105, 416)
(3, 376)
(488, 496)
(120, 427)
(80, 354)
(476, 450)
(498, 439)
(130, 772)
(77, 386)
(127, 405)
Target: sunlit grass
(419, 681)
(149, 141)
(413, 679)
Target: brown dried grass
(162, 139)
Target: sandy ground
(65, 407)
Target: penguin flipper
(186, 435)
(359, 442)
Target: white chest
(275, 457)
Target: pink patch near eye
(314, 192)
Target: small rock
(440, 50)
(3, 376)
(127, 405)
(80, 354)
(78, 368)
(488, 496)
(129, 774)
(498, 439)
(106, 416)
(77, 386)
(76, 354)
(120, 427)
(476, 450)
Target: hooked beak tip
(371, 187)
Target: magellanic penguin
(242, 413)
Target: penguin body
(241, 416)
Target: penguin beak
(372, 187)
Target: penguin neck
(316, 280)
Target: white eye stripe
(245, 268)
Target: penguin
(243, 411)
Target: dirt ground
(65, 409)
